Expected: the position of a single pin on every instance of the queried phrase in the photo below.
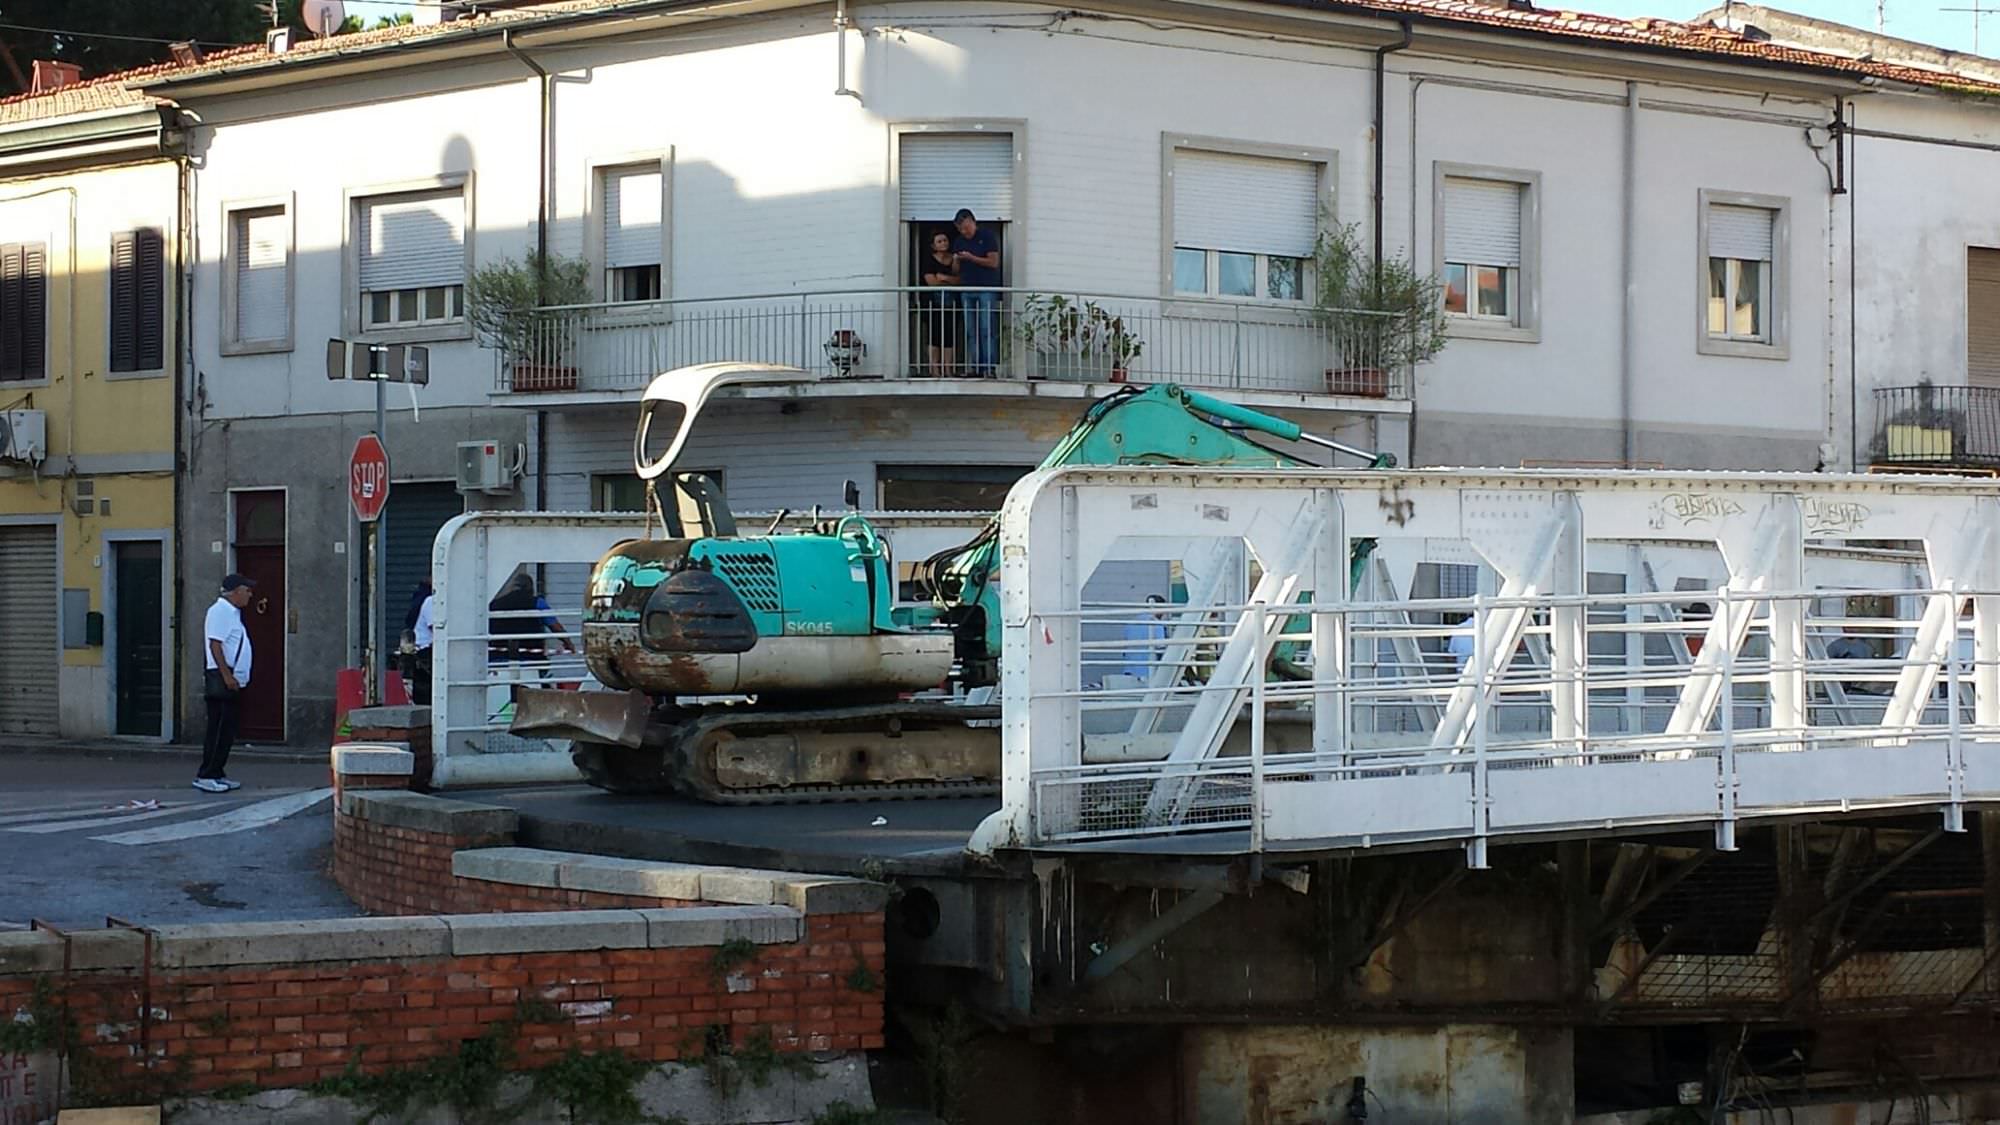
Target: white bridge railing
(1637, 649)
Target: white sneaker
(226, 783)
(210, 785)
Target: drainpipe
(840, 25)
(541, 248)
(183, 366)
(1382, 54)
(1628, 222)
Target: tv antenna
(1977, 12)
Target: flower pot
(1362, 382)
(544, 377)
(1073, 368)
(1118, 375)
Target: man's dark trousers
(221, 735)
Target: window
(259, 308)
(1482, 249)
(412, 259)
(1739, 273)
(944, 488)
(617, 492)
(24, 312)
(1742, 255)
(1243, 225)
(634, 211)
(138, 300)
(1982, 316)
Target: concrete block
(106, 949)
(696, 926)
(741, 886)
(424, 813)
(29, 951)
(123, 1115)
(273, 943)
(522, 867)
(406, 717)
(652, 878)
(552, 932)
(374, 759)
(834, 896)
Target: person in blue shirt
(978, 255)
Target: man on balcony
(978, 255)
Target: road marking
(72, 812)
(96, 822)
(240, 819)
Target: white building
(1658, 223)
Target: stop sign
(368, 478)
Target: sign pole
(379, 564)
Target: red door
(260, 557)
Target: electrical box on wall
(483, 466)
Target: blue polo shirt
(981, 243)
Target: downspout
(183, 364)
(548, 93)
(1382, 54)
(1848, 178)
(1410, 433)
(840, 25)
(1627, 222)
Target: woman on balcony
(938, 313)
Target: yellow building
(91, 348)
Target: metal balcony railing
(913, 334)
(1928, 426)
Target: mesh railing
(962, 334)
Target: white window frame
(1777, 341)
(353, 312)
(231, 343)
(1523, 325)
(595, 217)
(1327, 162)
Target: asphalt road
(79, 841)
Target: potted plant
(1076, 339)
(507, 303)
(1382, 317)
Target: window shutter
(1740, 232)
(1982, 317)
(413, 241)
(1250, 204)
(34, 311)
(124, 301)
(150, 259)
(633, 209)
(260, 274)
(942, 172)
(1482, 222)
(13, 316)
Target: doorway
(259, 526)
(138, 637)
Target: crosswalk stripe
(239, 819)
(73, 812)
(96, 822)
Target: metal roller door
(28, 608)
(416, 510)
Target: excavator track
(808, 756)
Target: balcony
(1932, 427)
(606, 350)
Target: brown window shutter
(11, 314)
(124, 302)
(34, 311)
(150, 260)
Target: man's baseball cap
(236, 582)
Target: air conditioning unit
(24, 436)
(483, 466)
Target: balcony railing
(909, 334)
(1928, 426)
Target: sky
(1926, 21)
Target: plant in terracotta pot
(1381, 318)
(507, 301)
(1077, 339)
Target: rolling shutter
(413, 241)
(632, 212)
(261, 312)
(1739, 232)
(415, 512)
(1249, 204)
(1982, 317)
(23, 311)
(138, 300)
(942, 172)
(1482, 222)
(28, 605)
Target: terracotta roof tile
(1700, 40)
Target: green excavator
(772, 668)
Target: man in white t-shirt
(225, 649)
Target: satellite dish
(323, 17)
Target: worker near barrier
(978, 255)
(226, 672)
(418, 631)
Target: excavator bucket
(614, 717)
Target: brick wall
(393, 869)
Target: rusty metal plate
(616, 717)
